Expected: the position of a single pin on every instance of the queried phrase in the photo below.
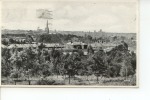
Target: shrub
(81, 83)
(15, 74)
(133, 80)
(126, 71)
(59, 83)
(114, 70)
(45, 82)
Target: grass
(77, 80)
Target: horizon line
(94, 31)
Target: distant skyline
(72, 16)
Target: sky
(72, 16)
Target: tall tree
(6, 67)
(100, 63)
(72, 64)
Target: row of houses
(67, 48)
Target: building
(76, 45)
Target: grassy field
(77, 80)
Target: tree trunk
(97, 79)
(29, 82)
(15, 82)
(57, 74)
(64, 78)
(69, 78)
(89, 82)
(126, 73)
(7, 79)
(101, 77)
(87, 78)
(52, 76)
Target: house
(76, 45)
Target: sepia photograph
(69, 43)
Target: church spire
(47, 28)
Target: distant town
(66, 40)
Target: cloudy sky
(72, 16)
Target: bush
(49, 82)
(15, 75)
(45, 82)
(126, 71)
(59, 83)
(133, 80)
(114, 70)
(110, 80)
(81, 83)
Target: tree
(114, 70)
(72, 64)
(45, 70)
(56, 59)
(133, 60)
(41, 46)
(4, 42)
(11, 41)
(15, 74)
(100, 63)
(31, 58)
(120, 58)
(6, 67)
(87, 68)
(6, 70)
(90, 50)
(127, 68)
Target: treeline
(13, 35)
(45, 38)
(63, 38)
(39, 62)
(60, 38)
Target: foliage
(31, 62)
(6, 62)
(45, 82)
(90, 50)
(41, 46)
(100, 63)
(4, 42)
(45, 70)
(6, 70)
(114, 70)
(121, 61)
(133, 60)
(15, 74)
